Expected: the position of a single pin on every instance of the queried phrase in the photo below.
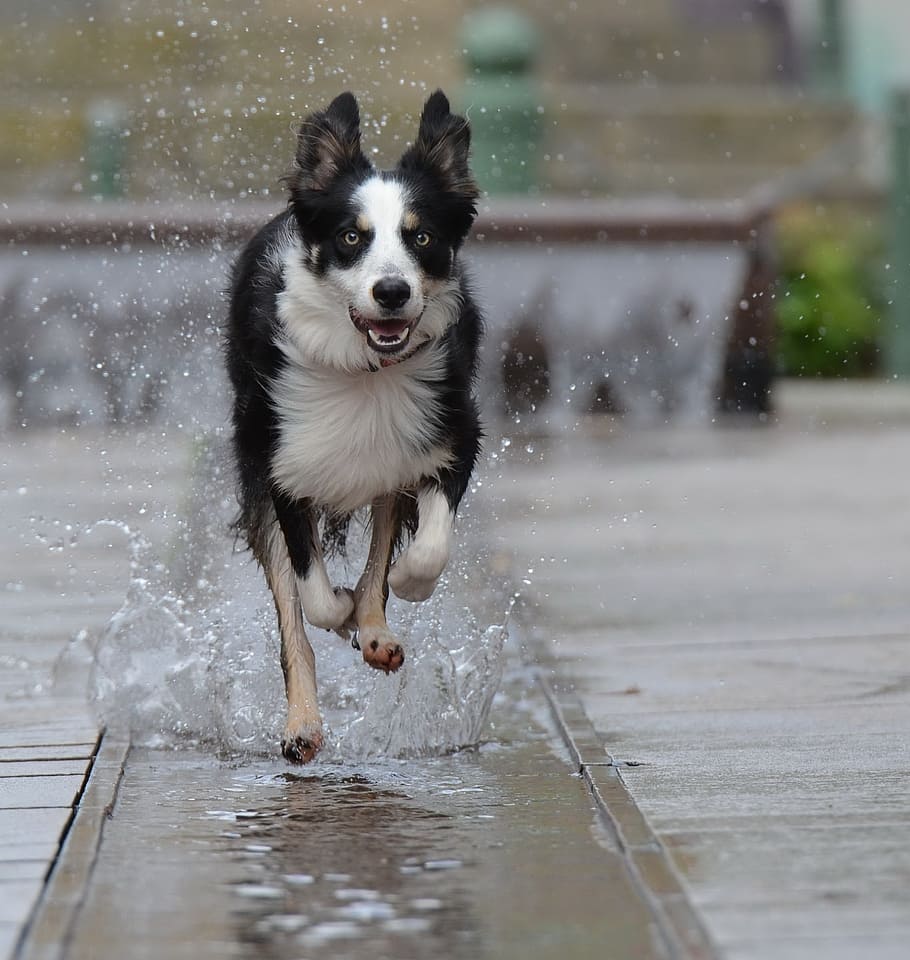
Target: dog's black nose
(391, 292)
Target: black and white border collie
(352, 349)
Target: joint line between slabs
(692, 941)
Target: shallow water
(489, 852)
(192, 656)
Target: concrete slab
(57, 736)
(53, 752)
(42, 721)
(679, 534)
(17, 897)
(9, 934)
(829, 947)
(30, 792)
(793, 895)
(29, 851)
(690, 676)
(26, 827)
(19, 870)
(42, 768)
(732, 612)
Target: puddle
(488, 852)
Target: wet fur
(325, 421)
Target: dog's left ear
(442, 146)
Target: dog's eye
(350, 238)
(422, 238)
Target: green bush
(830, 297)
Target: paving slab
(9, 934)
(842, 947)
(17, 897)
(34, 826)
(798, 891)
(30, 851)
(31, 792)
(59, 576)
(51, 753)
(19, 870)
(731, 609)
(690, 676)
(42, 768)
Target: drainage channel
(500, 851)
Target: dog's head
(384, 241)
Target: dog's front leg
(415, 573)
(324, 606)
(380, 648)
(303, 733)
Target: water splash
(192, 656)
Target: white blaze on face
(315, 310)
(382, 209)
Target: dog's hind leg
(380, 648)
(303, 733)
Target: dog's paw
(380, 648)
(413, 589)
(301, 747)
(414, 574)
(329, 611)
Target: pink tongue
(389, 329)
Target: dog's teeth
(388, 340)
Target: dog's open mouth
(386, 334)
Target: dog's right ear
(328, 145)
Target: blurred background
(750, 152)
(701, 207)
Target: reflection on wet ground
(267, 862)
(340, 857)
(489, 852)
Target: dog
(351, 347)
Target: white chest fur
(347, 437)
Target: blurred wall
(211, 89)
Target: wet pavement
(729, 606)
(732, 607)
(498, 851)
(54, 584)
(489, 853)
